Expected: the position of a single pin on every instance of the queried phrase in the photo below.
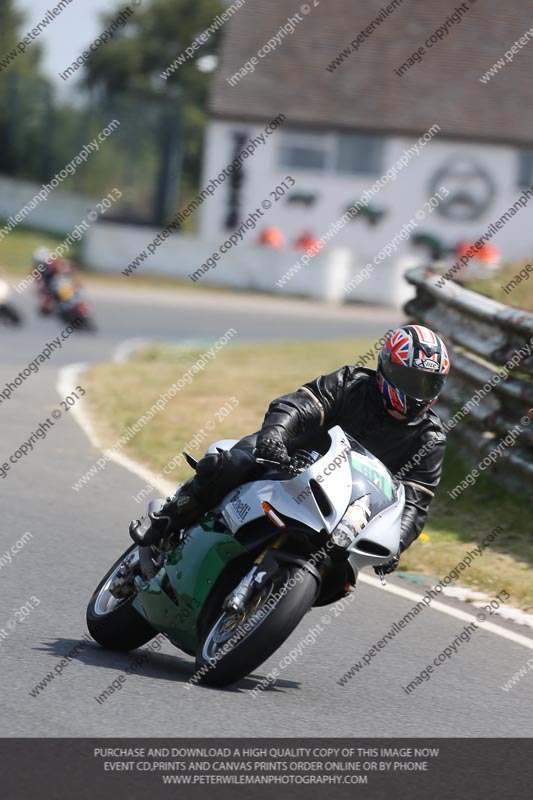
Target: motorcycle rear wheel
(9, 315)
(113, 622)
(229, 652)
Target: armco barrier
(484, 337)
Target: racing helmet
(412, 368)
(41, 256)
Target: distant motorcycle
(70, 304)
(8, 313)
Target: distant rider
(49, 269)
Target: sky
(64, 39)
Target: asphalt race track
(76, 536)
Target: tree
(24, 95)
(11, 20)
(149, 42)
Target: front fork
(238, 598)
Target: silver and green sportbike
(232, 588)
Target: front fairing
(330, 477)
(319, 496)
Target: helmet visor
(415, 383)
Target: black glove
(271, 446)
(390, 566)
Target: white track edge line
(69, 377)
(436, 605)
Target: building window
(359, 154)
(525, 168)
(342, 153)
(304, 151)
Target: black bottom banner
(85, 769)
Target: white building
(347, 126)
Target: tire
(87, 324)
(10, 315)
(267, 634)
(114, 623)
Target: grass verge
(254, 374)
(520, 296)
(17, 248)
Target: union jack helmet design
(412, 368)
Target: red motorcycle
(69, 303)
(59, 291)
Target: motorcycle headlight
(352, 523)
(343, 536)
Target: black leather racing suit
(413, 451)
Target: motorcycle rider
(49, 269)
(8, 313)
(388, 410)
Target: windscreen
(370, 476)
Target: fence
(485, 337)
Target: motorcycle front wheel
(236, 643)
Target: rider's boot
(216, 475)
(180, 511)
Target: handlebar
(293, 466)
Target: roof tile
(364, 92)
